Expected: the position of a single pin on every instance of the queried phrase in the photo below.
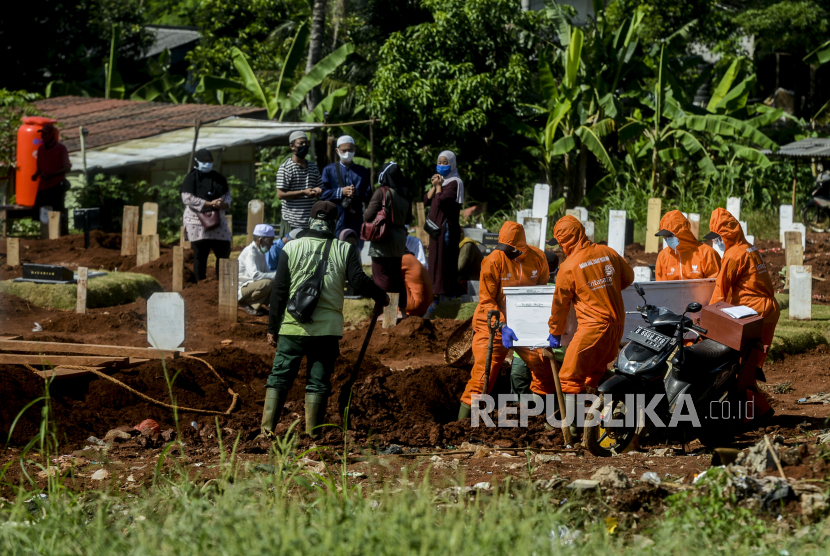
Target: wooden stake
(422, 235)
(229, 220)
(13, 251)
(149, 219)
(256, 215)
(144, 249)
(183, 239)
(129, 232)
(54, 224)
(228, 289)
(178, 269)
(390, 312)
(83, 275)
(653, 225)
(154, 247)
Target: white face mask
(672, 242)
(346, 157)
(204, 167)
(718, 244)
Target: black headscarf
(391, 176)
(208, 186)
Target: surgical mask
(443, 169)
(672, 242)
(718, 243)
(346, 157)
(264, 249)
(302, 151)
(204, 167)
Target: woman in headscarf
(206, 197)
(393, 195)
(444, 201)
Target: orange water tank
(28, 140)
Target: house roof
(111, 121)
(224, 133)
(812, 147)
(171, 38)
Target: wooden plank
(10, 337)
(129, 232)
(150, 219)
(83, 276)
(256, 215)
(144, 249)
(229, 220)
(178, 269)
(63, 372)
(57, 360)
(13, 251)
(183, 239)
(10, 344)
(422, 218)
(655, 206)
(390, 312)
(195, 353)
(155, 250)
(228, 289)
(54, 225)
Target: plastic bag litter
(652, 478)
(37, 328)
(564, 535)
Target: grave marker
(642, 274)
(801, 292)
(256, 215)
(793, 251)
(533, 231)
(129, 232)
(183, 239)
(54, 225)
(797, 227)
(694, 224)
(165, 320)
(733, 207)
(616, 231)
(229, 220)
(785, 220)
(44, 222)
(155, 251)
(541, 200)
(390, 312)
(422, 219)
(751, 239)
(522, 214)
(13, 251)
(655, 207)
(589, 229)
(573, 212)
(178, 268)
(143, 250)
(743, 227)
(583, 213)
(83, 277)
(228, 289)
(149, 219)
(791, 237)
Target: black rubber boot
(464, 411)
(274, 402)
(315, 414)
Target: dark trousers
(201, 250)
(321, 353)
(387, 272)
(54, 197)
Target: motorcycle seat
(705, 355)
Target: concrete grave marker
(796, 227)
(785, 220)
(54, 225)
(616, 231)
(178, 268)
(801, 292)
(256, 215)
(793, 251)
(583, 213)
(149, 219)
(793, 236)
(165, 320)
(743, 227)
(390, 312)
(573, 212)
(522, 214)
(589, 229)
(228, 289)
(129, 232)
(420, 233)
(44, 222)
(541, 200)
(694, 224)
(83, 280)
(144, 250)
(733, 207)
(183, 239)
(642, 274)
(655, 207)
(533, 231)
(155, 250)
(751, 239)
(13, 251)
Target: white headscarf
(459, 198)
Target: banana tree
(164, 83)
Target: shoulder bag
(378, 228)
(304, 301)
(209, 220)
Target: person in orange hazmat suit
(418, 285)
(512, 263)
(685, 258)
(591, 279)
(744, 279)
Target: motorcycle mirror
(639, 289)
(693, 307)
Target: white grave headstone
(717, 249)
(743, 227)
(785, 220)
(583, 213)
(365, 259)
(801, 292)
(694, 223)
(541, 200)
(522, 214)
(751, 240)
(542, 238)
(642, 274)
(733, 207)
(796, 227)
(589, 229)
(616, 231)
(533, 231)
(165, 320)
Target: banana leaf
(316, 76)
(753, 156)
(563, 145)
(724, 85)
(251, 83)
(725, 126)
(295, 53)
(328, 104)
(573, 59)
(820, 55)
(594, 144)
(694, 147)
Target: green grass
(116, 288)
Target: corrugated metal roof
(224, 133)
(806, 148)
(170, 37)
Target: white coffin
(528, 311)
(674, 294)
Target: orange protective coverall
(744, 280)
(692, 260)
(497, 272)
(418, 285)
(591, 278)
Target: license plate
(649, 338)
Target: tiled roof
(111, 121)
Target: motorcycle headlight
(628, 366)
(632, 366)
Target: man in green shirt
(318, 340)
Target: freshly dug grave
(117, 288)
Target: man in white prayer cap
(346, 184)
(255, 278)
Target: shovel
(560, 397)
(493, 326)
(346, 391)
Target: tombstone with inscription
(165, 321)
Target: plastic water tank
(28, 141)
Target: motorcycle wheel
(816, 217)
(606, 442)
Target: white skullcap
(345, 139)
(296, 135)
(293, 233)
(263, 230)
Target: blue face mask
(204, 167)
(672, 242)
(443, 169)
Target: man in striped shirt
(298, 185)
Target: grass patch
(455, 310)
(357, 310)
(116, 288)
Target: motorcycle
(656, 362)
(816, 213)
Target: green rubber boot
(464, 411)
(315, 414)
(274, 402)
(570, 405)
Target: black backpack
(304, 301)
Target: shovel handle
(493, 326)
(560, 397)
